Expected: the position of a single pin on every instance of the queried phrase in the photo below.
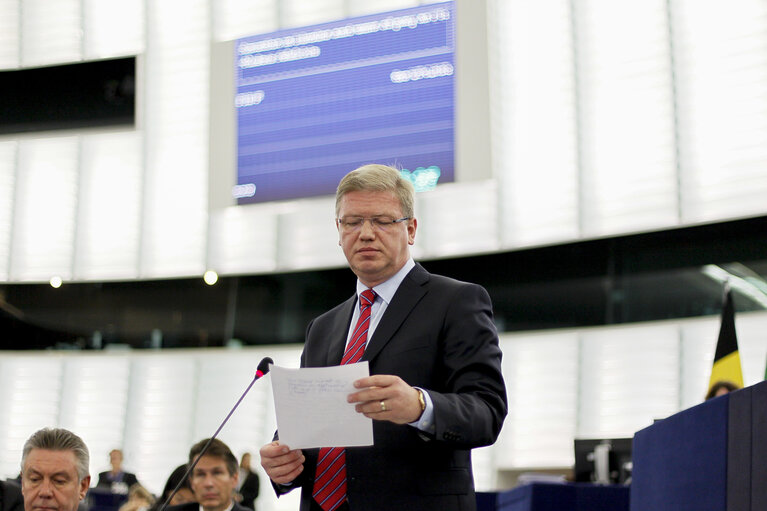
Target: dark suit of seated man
(213, 480)
(10, 497)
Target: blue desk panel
(565, 497)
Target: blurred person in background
(213, 480)
(116, 479)
(54, 471)
(248, 485)
(721, 388)
(139, 499)
(184, 493)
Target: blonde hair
(378, 178)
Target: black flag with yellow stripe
(727, 359)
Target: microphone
(261, 370)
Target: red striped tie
(330, 478)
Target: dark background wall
(643, 277)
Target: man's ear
(84, 485)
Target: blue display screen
(316, 102)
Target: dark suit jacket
(249, 489)
(438, 334)
(194, 506)
(127, 478)
(10, 497)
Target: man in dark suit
(116, 479)
(436, 389)
(213, 479)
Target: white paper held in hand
(311, 407)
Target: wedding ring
(383, 406)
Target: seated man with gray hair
(54, 470)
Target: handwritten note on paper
(311, 408)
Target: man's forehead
(208, 462)
(50, 460)
(364, 200)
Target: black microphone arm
(261, 370)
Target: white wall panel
(222, 380)
(308, 237)
(697, 355)
(45, 208)
(93, 404)
(30, 400)
(541, 373)
(626, 123)
(445, 229)
(8, 149)
(113, 28)
(295, 13)
(176, 138)
(233, 19)
(109, 213)
(721, 73)
(160, 416)
(51, 32)
(10, 39)
(535, 155)
(629, 376)
(244, 239)
(363, 7)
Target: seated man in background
(116, 479)
(54, 471)
(213, 480)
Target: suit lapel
(340, 325)
(409, 293)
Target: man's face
(212, 484)
(116, 458)
(375, 255)
(49, 481)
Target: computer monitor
(603, 460)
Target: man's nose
(46, 488)
(367, 230)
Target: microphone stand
(263, 368)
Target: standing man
(436, 389)
(54, 471)
(213, 480)
(117, 479)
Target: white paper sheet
(311, 408)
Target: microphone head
(263, 366)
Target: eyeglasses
(380, 223)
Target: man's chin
(210, 503)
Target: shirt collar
(231, 505)
(387, 289)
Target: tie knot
(367, 297)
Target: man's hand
(386, 397)
(280, 463)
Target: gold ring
(383, 406)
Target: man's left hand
(386, 397)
